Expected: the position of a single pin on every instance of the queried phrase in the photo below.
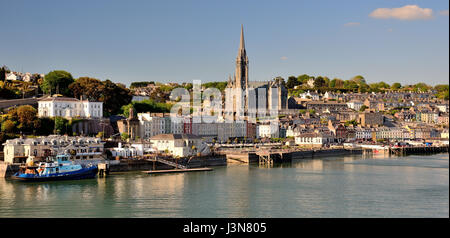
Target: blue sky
(179, 41)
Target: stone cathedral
(268, 95)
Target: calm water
(413, 186)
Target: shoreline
(246, 158)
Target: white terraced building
(314, 139)
(79, 147)
(69, 108)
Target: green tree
(421, 87)
(327, 81)
(292, 82)
(303, 79)
(358, 79)
(336, 83)
(46, 126)
(61, 125)
(3, 71)
(219, 85)
(114, 96)
(351, 85)
(362, 108)
(8, 126)
(146, 106)
(26, 116)
(319, 82)
(396, 86)
(442, 91)
(90, 87)
(140, 84)
(57, 81)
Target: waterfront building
(133, 150)
(339, 131)
(392, 133)
(251, 130)
(315, 139)
(180, 145)
(207, 131)
(69, 108)
(18, 150)
(269, 131)
(362, 133)
(229, 130)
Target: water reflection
(349, 186)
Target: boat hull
(84, 173)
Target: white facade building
(268, 131)
(179, 145)
(69, 108)
(77, 147)
(314, 139)
(131, 150)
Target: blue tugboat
(60, 168)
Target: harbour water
(346, 186)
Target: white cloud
(444, 13)
(284, 58)
(408, 12)
(352, 24)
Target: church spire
(242, 55)
(242, 45)
(241, 76)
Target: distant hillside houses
(26, 77)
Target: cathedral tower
(241, 76)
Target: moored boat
(60, 168)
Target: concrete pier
(176, 170)
(282, 156)
(7, 170)
(418, 150)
